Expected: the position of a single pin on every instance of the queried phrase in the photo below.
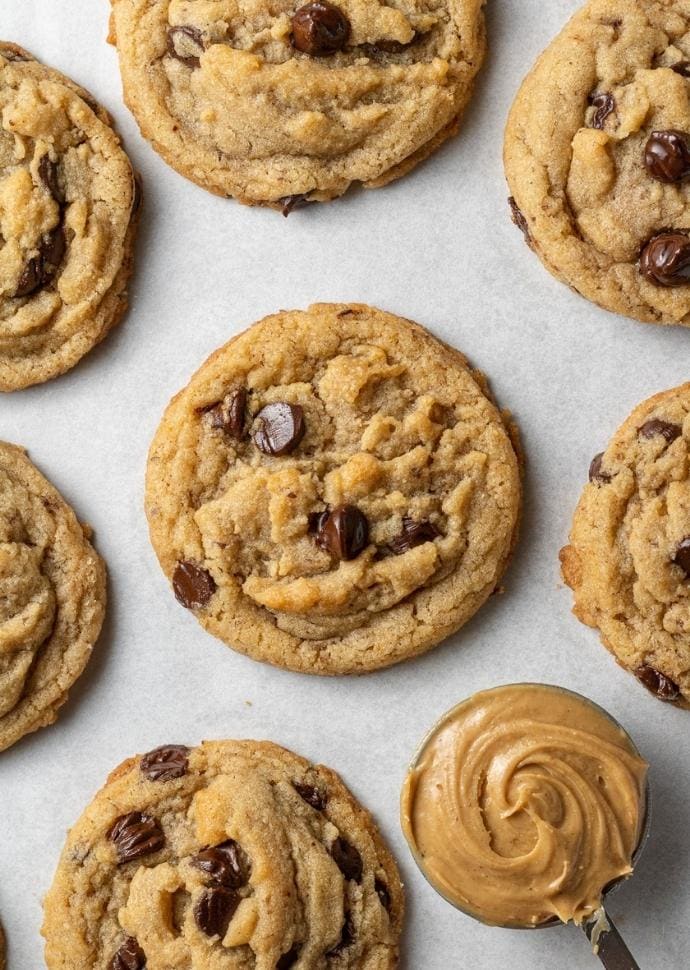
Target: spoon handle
(609, 944)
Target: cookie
(628, 561)
(231, 854)
(284, 103)
(597, 157)
(334, 491)
(69, 206)
(52, 597)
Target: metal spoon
(600, 930)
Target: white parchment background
(437, 247)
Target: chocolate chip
(347, 859)
(383, 894)
(316, 521)
(49, 173)
(224, 864)
(289, 959)
(230, 413)
(682, 68)
(681, 556)
(665, 260)
(186, 44)
(347, 937)
(320, 28)
(280, 428)
(130, 956)
(381, 47)
(413, 534)
(193, 585)
(41, 269)
(215, 909)
(312, 796)
(657, 683)
(165, 763)
(596, 474)
(519, 220)
(290, 202)
(344, 532)
(603, 104)
(656, 427)
(136, 835)
(667, 156)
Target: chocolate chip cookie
(52, 597)
(232, 854)
(597, 156)
(284, 103)
(334, 491)
(628, 561)
(68, 214)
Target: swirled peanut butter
(524, 804)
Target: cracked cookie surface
(229, 856)
(224, 94)
(594, 157)
(628, 561)
(334, 491)
(52, 598)
(68, 213)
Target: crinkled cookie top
(67, 197)
(333, 491)
(236, 855)
(267, 101)
(597, 157)
(52, 596)
(629, 558)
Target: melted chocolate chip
(130, 956)
(651, 429)
(347, 937)
(224, 864)
(319, 28)
(280, 428)
(347, 859)
(41, 269)
(186, 44)
(667, 156)
(215, 909)
(289, 959)
(596, 473)
(665, 260)
(382, 47)
(290, 202)
(136, 835)
(312, 796)
(49, 173)
(682, 68)
(193, 585)
(413, 534)
(603, 104)
(383, 894)
(519, 220)
(344, 532)
(681, 556)
(657, 683)
(316, 521)
(229, 415)
(165, 763)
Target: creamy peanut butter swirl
(525, 803)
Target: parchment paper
(438, 247)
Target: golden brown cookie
(68, 211)
(284, 103)
(52, 597)
(234, 854)
(597, 157)
(334, 491)
(628, 561)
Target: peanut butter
(525, 802)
